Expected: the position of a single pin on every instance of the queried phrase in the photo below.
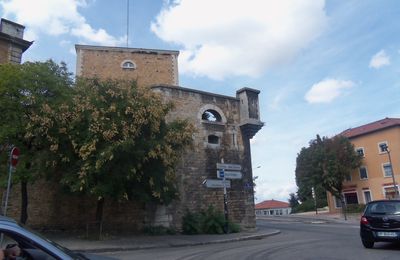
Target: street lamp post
(396, 189)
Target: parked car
(34, 246)
(380, 222)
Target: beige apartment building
(373, 180)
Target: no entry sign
(14, 156)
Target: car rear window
(384, 208)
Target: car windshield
(72, 254)
(384, 208)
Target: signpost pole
(13, 163)
(224, 172)
(8, 189)
(225, 206)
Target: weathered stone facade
(12, 44)
(147, 67)
(51, 208)
(225, 137)
(233, 147)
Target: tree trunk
(99, 216)
(99, 210)
(344, 210)
(24, 202)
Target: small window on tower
(213, 139)
(128, 64)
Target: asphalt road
(298, 240)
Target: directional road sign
(221, 173)
(228, 166)
(229, 175)
(213, 183)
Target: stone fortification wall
(12, 44)
(199, 162)
(4, 52)
(226, 138)
(148, 67)
(51, 208)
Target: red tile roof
(272, 204)
(371, 127)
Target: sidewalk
(352, 218)
(321, 217)
(136, 242)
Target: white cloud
(56, 17)
(379, 60)
(235, 38)
(327, 90)
(264, 191)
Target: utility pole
(396, 189)
(315, 200)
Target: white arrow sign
(230, 175)
(211, 183)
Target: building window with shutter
(363, 173)
(387, 170)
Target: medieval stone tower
(224, 125)
(12, 44)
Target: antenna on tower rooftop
(127, 23)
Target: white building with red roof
(272, 208)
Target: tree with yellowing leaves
(111, 140)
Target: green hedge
(210, 221)
(308, 205)
(355, 208)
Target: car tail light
(364, 221)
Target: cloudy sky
(321, 66)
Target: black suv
(380, 222)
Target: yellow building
(373, 180)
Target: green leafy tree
(308, 176)
(339, 160)
(293, 201)
(23, 90)
(327, 161)
(112, 141)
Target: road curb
(183, 244)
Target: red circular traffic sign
(14, 156)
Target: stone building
(224, 126)
(12, 44)
(147, 67)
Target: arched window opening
(211, 115)
(213, 139)
(128, 65)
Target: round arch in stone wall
(211, 108)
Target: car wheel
(367, 243)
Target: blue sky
(321, 66)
